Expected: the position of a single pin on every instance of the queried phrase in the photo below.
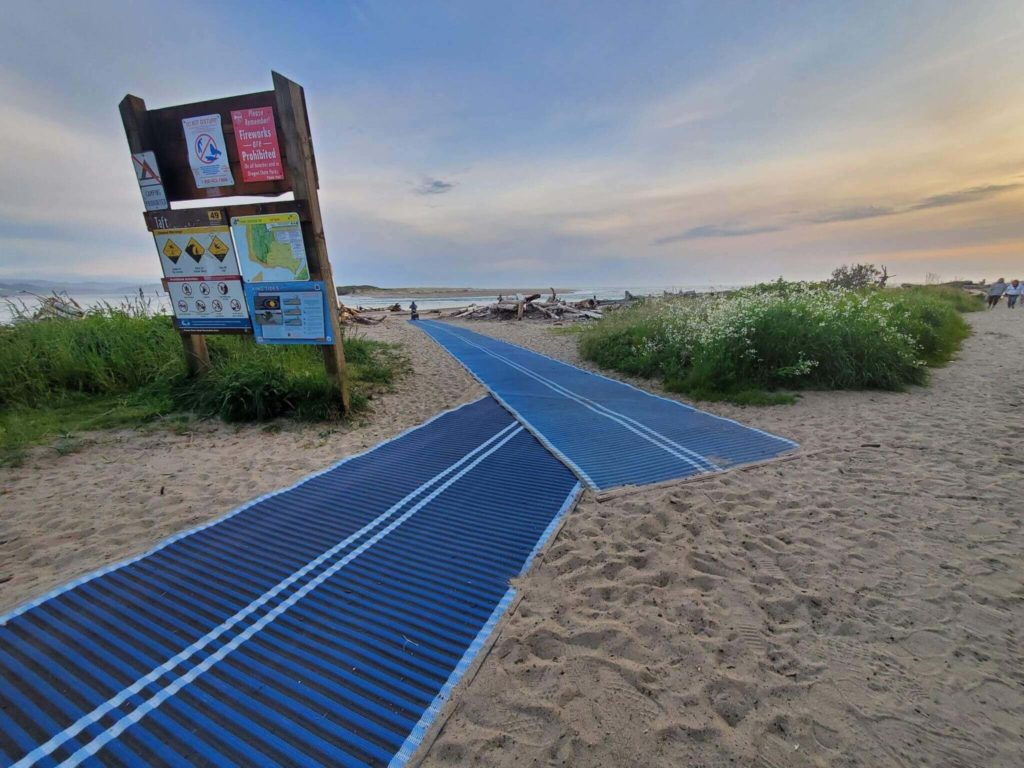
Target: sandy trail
(859, 606)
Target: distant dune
(375, 292)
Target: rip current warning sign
(197, 251)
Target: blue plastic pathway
(321, 625)
(610, 433)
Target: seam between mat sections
(93, 746)
(687, 406)
(419, 732)
(573, 466)
(603, 410)
(20, 609)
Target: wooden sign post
(160, 136)
(301, 168)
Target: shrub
(781, 336)
(855, 276)
(117, 368)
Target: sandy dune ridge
(862, 605)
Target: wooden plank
(184, 218)
(300, 207)
(301, 169)
(138, 132)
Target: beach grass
(758, 345)
(114, 368)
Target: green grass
(567, 330)
(759, 345)
(118, 369)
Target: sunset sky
(584, 144)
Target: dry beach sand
(861, 605)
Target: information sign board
(256, 139)
(150, 184)
(195, 251)
(289, 313)
(209, 304)
(207, 152)
(270, 248)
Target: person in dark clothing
(415, 314)
(995, 292)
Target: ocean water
(12, 303)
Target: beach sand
(860, 605)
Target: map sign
(209, 304)
(150, 184)
(256, 139)
(207, 152)
(289, 313)
(195, 251)
(270, 248)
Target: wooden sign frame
(160, 131)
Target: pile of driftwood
(348, 316)
(529, 307)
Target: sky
(577, 144)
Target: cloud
(716, 230)
(853, 214)
(431, 186)
(959, 197)
(971, 195)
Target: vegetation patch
(758, 345)
(117, 368)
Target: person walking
(997, 289)
(1013, 291)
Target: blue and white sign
(207, 152)
(289, 313)
(208, 303)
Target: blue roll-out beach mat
(321, 625)
(609, 433)
(327, 623)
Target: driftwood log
(528, 307)
(348, 316)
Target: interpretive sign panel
(256, 140)
(207, 151)
(270, 248)
(289, 313)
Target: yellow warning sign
(194, 249)
(210, 250)
(218, 248)
(172, 251)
